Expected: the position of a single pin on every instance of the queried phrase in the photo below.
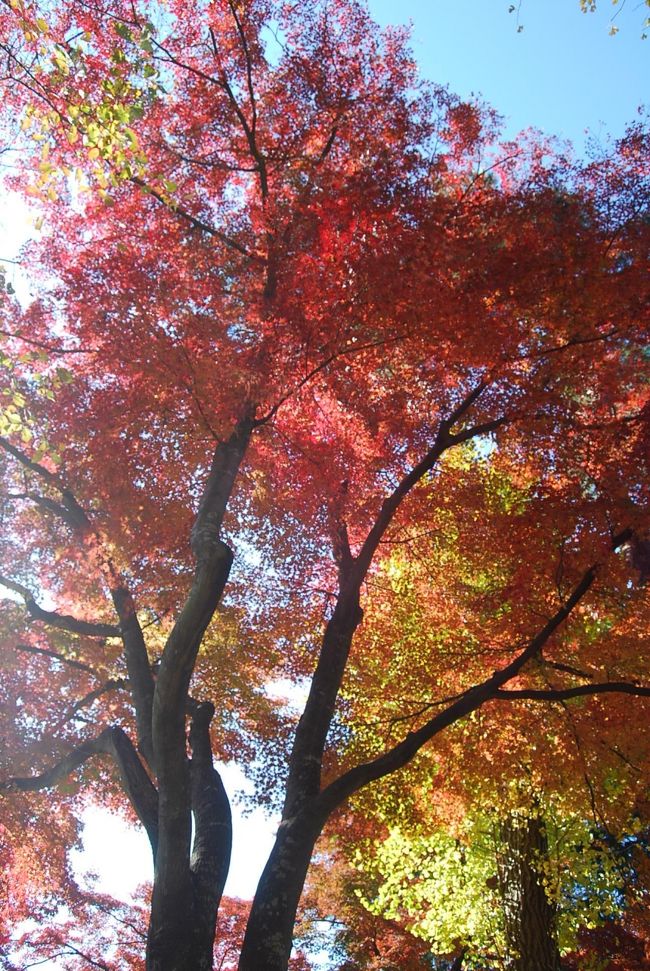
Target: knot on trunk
(204, 538)
(206, 544)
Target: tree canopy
(324, 386)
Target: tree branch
(138, 668)
(135, 650)
(335, 356)
(74, 513)
(579, 691)
(50, 348)
(444, 439)
(470, 701)
(221, 478)
(115, 742)
(61, 658)
(305, 763)
(197, 222)
(249, 130)
(61, 621)
(565, 668)
(113, 684)
(482, 429)
(213, 562)
(249, 66)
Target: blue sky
(563, 73)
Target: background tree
(512, 892)
(280, 321)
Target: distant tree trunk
(458, 961)
(528, 914)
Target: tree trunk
(269, 933)
(184, 945)
(187, 887)
(528, 914)
(457, 963)
(182, 928)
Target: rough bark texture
(528, 913)
(269, 932)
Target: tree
(333, 919)
(301, 282)
(92, 931)
(514, 890)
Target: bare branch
(50, 348)
(61, 658)
(61, 954)
(138, 667)
(197, 222)
(311, 374)
(113, 684)
(135, 650)
(473, 699)
(74, 513)
(248, 129)
(483, 429)
(311, 733)
(211, 162)
(465, 405)
(566, 668)
(444, 439)
(86, 957)
(212, 843)
(249, 66)
(36, 467)
(62, 770)
(221, 478)
(573, 342)
(617, 752)
(213, 562)
(51, 505)
(120, 920)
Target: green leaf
(123, 31)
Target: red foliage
(615, 948)
(301, 288)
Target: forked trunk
(184, 906)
